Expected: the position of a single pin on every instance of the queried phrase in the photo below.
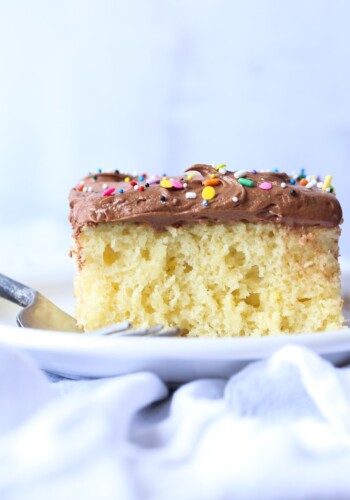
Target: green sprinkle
(246, 182)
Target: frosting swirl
(202, 194)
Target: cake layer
(205, 193)
(211, 279)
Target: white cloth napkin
(280, 429)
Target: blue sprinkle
(121, 191)
(254, 172)
(205, 203)
(293, 181)
(275, 170)
(302, 171)
(141, 178)
(99, 170)
(164, 175)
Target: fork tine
(110, 330)
(153, 331)
(141, 332)
(172, 332)
(123, 329)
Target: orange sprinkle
(211, 182)
(80, 187)
(303, 182)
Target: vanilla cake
(216, 252)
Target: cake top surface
(205, 193)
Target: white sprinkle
(213, 164)
(240, 173)
(311, 184)
(85, 189)
(104, 186)
(191, 195)
(90, 189)
(283, 185)
(222, 170)
(320, 185)
(235, 199)
(328, 190)
(136, 187)
(184, 185)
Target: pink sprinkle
(176, 184)
(266, 186)
(108, 192)
(153, 180)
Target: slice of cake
(215, 252)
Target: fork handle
(16, 292)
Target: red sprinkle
(133, 183)
(108, 192)
(142, 188)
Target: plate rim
(232, 348)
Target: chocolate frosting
(149, 202)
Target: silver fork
(39, 312)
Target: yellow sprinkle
(190, 177)
(165, 183)
(208, 193)
(213, 176)
(127, 179)
(327, 182)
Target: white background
(159, 85)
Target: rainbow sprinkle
(108, 192)
(208, 193)
(240, 173)
(327, 182)
(246, 182)
(176, 184)
(165, 183)
(266, 186)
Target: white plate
(174, 359)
